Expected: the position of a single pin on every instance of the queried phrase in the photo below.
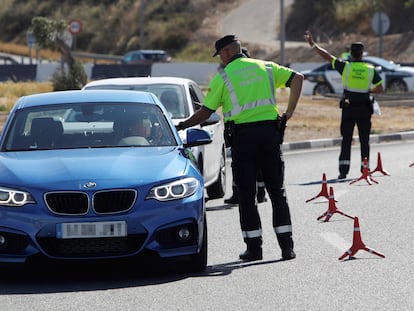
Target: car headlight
(174, 190)
(10, 197)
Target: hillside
(187, 28)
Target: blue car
(99, 175)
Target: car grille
(68, 203)
(92, 247)
(113, 201)
(77, 203)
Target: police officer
(359, 79)
(261, 193)
(245, 89)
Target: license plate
(77, 230)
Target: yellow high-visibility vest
(357, 77)
(245, 89)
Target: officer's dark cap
(357, 47)
(223, 42)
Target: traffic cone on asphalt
(365, 174)
(323, 192)
(357, 244)
(379, 167)
(332, 209)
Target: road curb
(331, 142)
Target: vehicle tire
(198, 262)
(218, 188)
(397, 86)
(322, 89)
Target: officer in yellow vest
(359, 80)
(246, 90)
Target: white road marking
(336, 240)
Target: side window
(197, 96)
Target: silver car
(182, 97)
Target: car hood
(405, 69)
(108, 168)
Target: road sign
(380, 23)
(75, 26)
(31, 40)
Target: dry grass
(10, 92)
(317, 118)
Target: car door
(212, 152)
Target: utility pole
(282, 33)
(141, 25)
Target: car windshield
(172, 96)
(376, 61)
(88, 125)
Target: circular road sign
(75, 26)
(380, 23)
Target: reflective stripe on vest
(362, 86)
(237, 108)
(252, 234)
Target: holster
(229, 132)
(282, 122)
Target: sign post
(75, 27)
(380, 25)
(31, 41)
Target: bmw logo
(90, 184)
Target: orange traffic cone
(365, 174)
(332, 209)
(357, 244)
(323, 192)
(379, 167)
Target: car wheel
(198, 262)
(322, 89)
(397, 86)
(218, 188)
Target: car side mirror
(197, 137)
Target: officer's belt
(257, 123)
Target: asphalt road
(258, 22)
(315, 280)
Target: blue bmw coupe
(89, 175)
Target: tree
(51, 34)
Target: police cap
(223, 42)
(357, 47)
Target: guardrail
(96, 57)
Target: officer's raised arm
(321, 51)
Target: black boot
(286, 244)
(254, 250)
(261, 195)
(234, 199)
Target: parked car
(146, 57)
(182, 97)
(324, 79)
(99, 175)
(8, 60)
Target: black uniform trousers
(257, 146)
(359, 115)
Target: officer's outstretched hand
(308, 37)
